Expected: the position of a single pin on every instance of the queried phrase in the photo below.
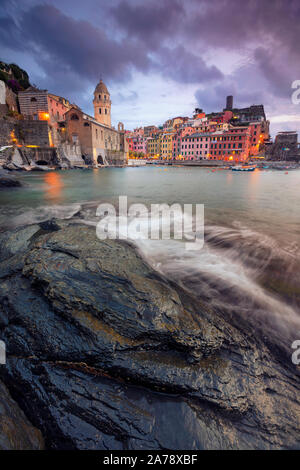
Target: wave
(245, 275)
(43, 213)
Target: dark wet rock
(107, 413)
(9, 182)
(12, 243)
(104, 353)
(10, 166)
(16, 432)
(36, 167)
(50, 225)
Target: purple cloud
(176, 40)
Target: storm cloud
(211, 47)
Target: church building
(100, 143)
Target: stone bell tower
(102, 104)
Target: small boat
(243, 168)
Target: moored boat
(243, 168)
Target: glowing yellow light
(50, 139)
(13, 137)
(43, 116)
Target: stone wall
(70, 154)
(26, 132)
(116, 158)
(6, 127)
(34, 132)
(46, 155)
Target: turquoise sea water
(267, 201)
(250, 262)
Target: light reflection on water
(250, 264)
(266, 201)
(54, 185)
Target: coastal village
(232, 135)
(40, 130)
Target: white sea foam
(225, 277)
(43, 213)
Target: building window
(86, 124)
(33, 100)
(74, 138)
(74, 117)
(99, 110)
(105, 111)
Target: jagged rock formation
(6, 181)
(104, 353)
(16, 433)
(23, 158)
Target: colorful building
(149, 130)
(166, 145)
(259, 135)
(39, 105)
(137, 144)
(43, 106)
(230, 135)
(233, 144)
(153, 146)
(195, 146)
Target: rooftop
(101, 88)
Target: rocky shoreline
(105, 353)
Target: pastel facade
(259, 134)
(57, 108)
(195, 146)
(166, 145)
(137, 144)
(153, 146)
(233, 144)
(230, 135)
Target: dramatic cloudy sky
(160, 58)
